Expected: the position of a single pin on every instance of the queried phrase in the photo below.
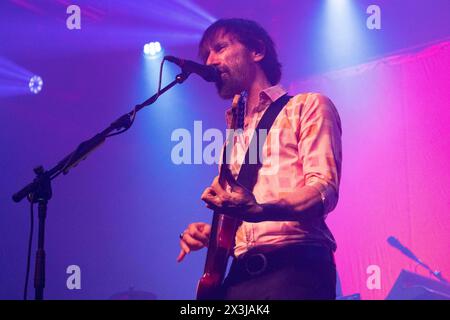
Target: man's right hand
(195, 237)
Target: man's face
(235, 63)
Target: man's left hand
(240, 203)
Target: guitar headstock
(238, 106)
(238, 110)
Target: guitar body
(223, 230)
(221, 243)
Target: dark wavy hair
(252, 36)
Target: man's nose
(212, 60)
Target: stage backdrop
(395, 180)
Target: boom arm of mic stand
(180, 78)
(90, 145)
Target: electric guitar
(223, 228)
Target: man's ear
(260, 52)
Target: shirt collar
(266, 97)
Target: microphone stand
(407, 252)
(40, 191)
(436, 274)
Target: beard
(232, 82)
(228, 88)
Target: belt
(264, 259)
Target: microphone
(209, 73)
(396, 244)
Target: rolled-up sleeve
(320, 148)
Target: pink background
(396, 148)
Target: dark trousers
(294, 272)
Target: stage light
(340, 34)
(153, 50)
(35, 84)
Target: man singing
(283, 248)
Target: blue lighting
(35, 84)
(340, 34)
(14, 79)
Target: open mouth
(222, 71)
(224, 75)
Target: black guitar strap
(248, 173)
